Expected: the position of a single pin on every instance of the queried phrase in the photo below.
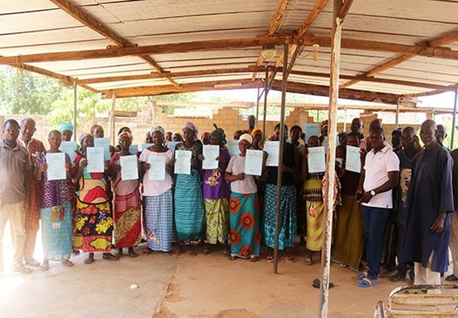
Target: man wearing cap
(33, 200)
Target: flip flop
(232, 258)
(361, 276)
(254, 259)
(451, 278)
(89, 260)
(366, 282)
(308, 261)
(288, 258)
(109, 256)
(270, 258)
(67, 263)
(44, 267)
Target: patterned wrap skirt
(159, 221)
(57, 232)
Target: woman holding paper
(216, 192)
(127, 213)
(56, 208)
(288, 226)
(243, 205)
(157, 193)
(313, 195)
(94, 221)
(189, 208)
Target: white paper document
(129, 167)
(210, 152)
(353, 162)
(272, 149)
(311, 130)
(105, 144)
(316, 161)
(56, 166)
(233, 147)
(253, 162)
(183, 162)
(69, 148)
(95, 159)
(157, 168)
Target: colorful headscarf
(220, 134)
(193, 127)
(125, 134)
(66, 126)
(255, 130)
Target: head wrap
(66, 126)
(159, 129)
(246, 137)
(193, 127)
(125, 134)
(220, 134)
(255, 130)
(83, 136)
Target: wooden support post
(113, 119)
(331, 159)
(257, 107)
(266, 91)
(75, 104)
(238, 118)
(396, 119)
(280, 154)
(455, 105)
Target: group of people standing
(402, 190)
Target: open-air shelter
(381, 51)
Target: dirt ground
(183, 286)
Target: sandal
(147, 251)
(308, 261)
(89, 260)
(270, 258)
(254, 259)
(109, 256)
(67, 263)
(44, 266)
(289, 258)
(232, 258)
(361, 276)
(451, 278)
(132, 253)
(366, 282)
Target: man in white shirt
(379, 176)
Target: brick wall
(226, 118)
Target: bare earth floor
(183, 286)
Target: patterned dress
(94, 221)
(313, 196)
(127, 213)
(56, 215)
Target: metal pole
(75, 103)
(280, 153)
(454, 118)
(266, 91)
(331, 159)
(397, 114)
(257, 108)
(345, 119)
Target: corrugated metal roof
(30, 27)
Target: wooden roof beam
(99, 27)
(443, 40)
(226, 44)
(185, 88)
(174, 75)
(319, 90)
(274, 26)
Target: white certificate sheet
(133, 149)
(353, 162)
(253, 162)
(129, 167)
(233, 147)
(157, 168)
(172, 145)
(210, 152)
(105, 144)
(311, 130)
(316, 162)
(95, 159)
(272, 148)
(144, 146)
(183, 162)
(56, 166)
(69, 148)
